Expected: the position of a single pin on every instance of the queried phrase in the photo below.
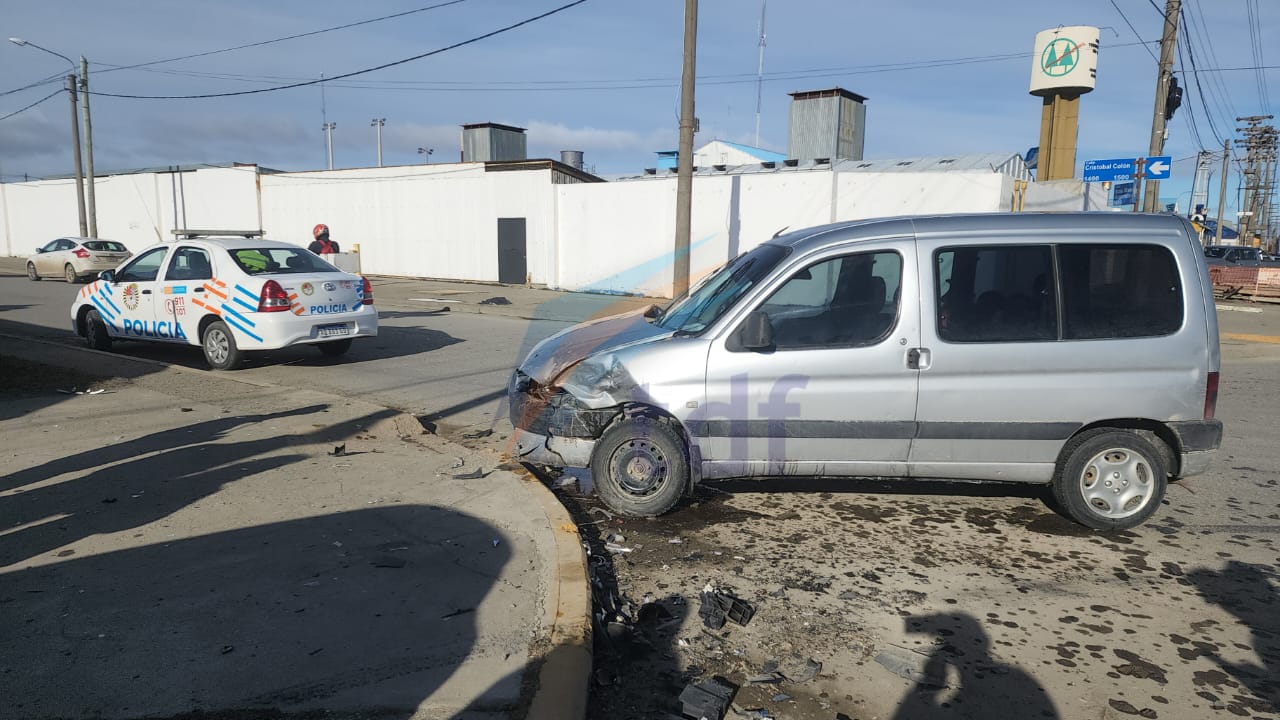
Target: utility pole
(1260, 145)
(1222, 189)
(88, 148)
(328, 138)
(378, 123)
(75, 142)
(684, 181)
(1168, 43)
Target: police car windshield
(279, 261)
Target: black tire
(95, 331)
(31, 272)
(69, 273)
(220, 349)
(640, 467)
(334, 348)
(1099, 468)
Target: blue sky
(601, 77)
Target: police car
(230, 292)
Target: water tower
(1063, 67)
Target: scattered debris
(496, 542)
(473, 475)
(707, 700)
(753, 713)
(186, 409)
(800, 671)
(388, 561)
(459, 462)
(616, 548)
(600, 511)
(675, 541)
(339, 450)
(772, 678)
(498, 300)
(718, 606)
(651, 613)
(478, 434)
(456, 613)
(908, 665)
(780, 697)
(108, 501)
(317, 651)
(226, 649)
(615, 538)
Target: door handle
(146, 292)
(198, 289)
(918, 358)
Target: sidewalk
(191, 542)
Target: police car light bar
(188, 233)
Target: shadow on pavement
(138, 482)
(367, 611)
(1246, 591)
(962, 680)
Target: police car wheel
(335, 348)
(95, 331)
(219, 345)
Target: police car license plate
(333, 330)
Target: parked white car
(230, 295)
(75, 258)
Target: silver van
(1078, 350)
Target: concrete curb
(564, 669)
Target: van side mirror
(107, 276)
(756, 332)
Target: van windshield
(704, 303)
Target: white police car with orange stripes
(229, 292)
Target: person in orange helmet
(322, 245)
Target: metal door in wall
(512, 264)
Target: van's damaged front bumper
(552, 427)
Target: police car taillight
(368, 291)
(273, 298)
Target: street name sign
(1123, 169)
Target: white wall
(440, 221)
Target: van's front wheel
(1110, 479)
(640, 467)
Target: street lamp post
(426, 152)
(75, 130)
(378, 123)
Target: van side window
(847, 301)
(1119, 291)
(996, 293)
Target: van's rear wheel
(640, 467)
(1110, 479)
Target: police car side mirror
(107, 276)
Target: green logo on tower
(1059, 57)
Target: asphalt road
(450, 368)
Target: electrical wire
(1217, 88)
(1134, 30)
(53, 94)
(384, 66)
(52, 78)
(115, 68)
(1191, 54)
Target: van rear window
(1119, 291)
(1010, 293)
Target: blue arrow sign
(1158, 168)
(1123, 169)
(1117, 170)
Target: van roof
(1085, 223)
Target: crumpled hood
(550, 357)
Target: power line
(114, 68)
(53, 94)
(1134, 30)
(1191, 53)
(1218, 89)
(384, 66)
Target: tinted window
(1116, 291)
(190, 264)
(846, 301)
(996, 294)
(275, 261)
(144, 268)
(104, 246)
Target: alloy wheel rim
(1117, 483)
(215, 343)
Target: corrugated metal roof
(1010, 164)
(748, 149)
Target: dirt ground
(931, 600)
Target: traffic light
(1174, 99)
